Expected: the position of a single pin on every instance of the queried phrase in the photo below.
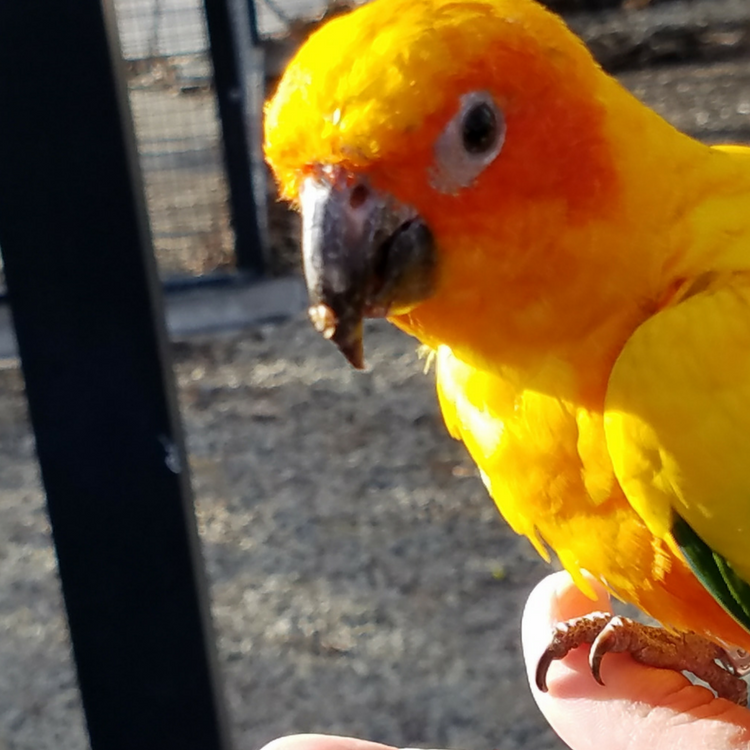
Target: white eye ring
(468, 144)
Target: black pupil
(479, 129)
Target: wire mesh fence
(170, 82)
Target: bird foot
(654, 647)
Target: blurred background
(361, 579)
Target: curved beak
(365, 255)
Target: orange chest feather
(546, 465)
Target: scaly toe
(652, 646)
(566, 637)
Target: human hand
(639, 707)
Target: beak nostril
(358, 196)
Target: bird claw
(655, 647)
(566, 637)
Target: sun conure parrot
(581, 270)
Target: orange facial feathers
(387, 78)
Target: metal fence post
(86, 304)
(238, 76)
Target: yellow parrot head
(431, 144)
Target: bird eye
(479, 128)
(468, 144)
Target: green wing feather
(714, 572)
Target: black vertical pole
(237, 62)
(85, 299)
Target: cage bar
(85, 298)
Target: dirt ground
(362, 581)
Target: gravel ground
(362, 581)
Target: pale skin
(640, 706)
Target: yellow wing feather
(677, 417)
